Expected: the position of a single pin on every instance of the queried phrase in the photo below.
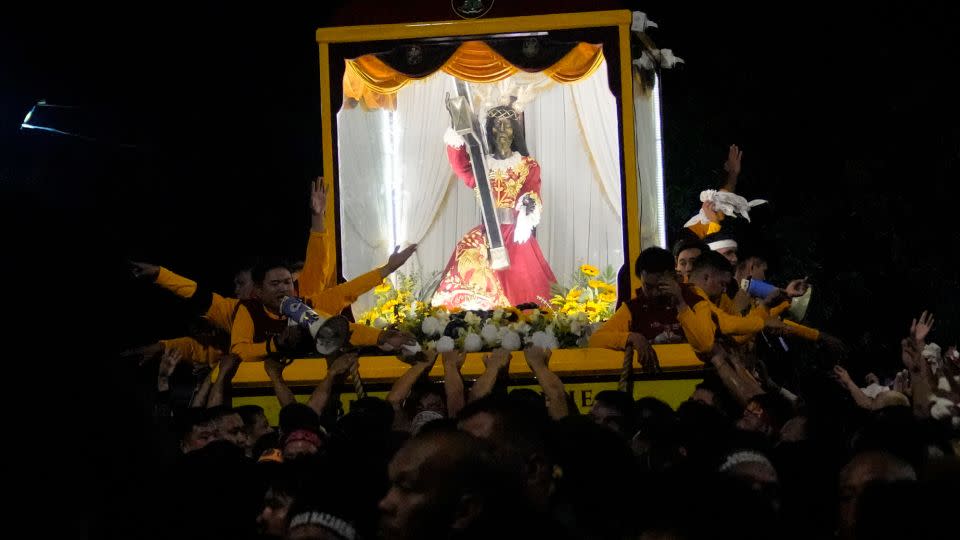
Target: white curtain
(363, 196)
(572, 132)
(396, 182)
(648, 143)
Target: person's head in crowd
(704, 430)
(255, 423)
(865, 469)
(704, 393)
(229, 426)
(243, 284)
(302, 442)
(753, 265)
(654, 267)
(196, 429)
(765, 414)
(595, 467)
(283, 484)
(272, 281)
(724, 243)
(755, 470)
(712, 273)
(428, 396)
(656, 441)
(322, 515)
(685, 253)
(518, 432)
(443, 484)
(296, 416)
(615, 410)
(369, 419)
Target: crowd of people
(778, 440)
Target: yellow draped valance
(373, 84)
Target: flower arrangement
(590, 291)
(566, 321)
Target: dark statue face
(503, 135)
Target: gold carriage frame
(679, 362)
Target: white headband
(327, 521)
(721, 244)
(745, 456)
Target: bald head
(439, 482)
(865, 469)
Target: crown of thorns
(503, 111)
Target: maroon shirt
(657, 316)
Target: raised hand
(274, 368)
(734, 157)
(229, 363)
(392, 340)
(797, 287)
(342, 364)
(397, 259)
(910, 355)
(537, 357)
(638, 341)
(498, 359)
(318, 197)
(143, 354)
(169, 362)
(144, 271)
(842, 376)
(453, 360)
(920, 329)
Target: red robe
(468, 281)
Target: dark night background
(207, 126)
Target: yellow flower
(608, 297)
(383, 287)
(572, 307)
(597, 284)
(592, 306)
(574, 294)
(590, 270)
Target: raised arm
(404, 384)
(336, 373)
(539, 359)
(221, 387)
(497, 363)
(274, 369)
(453, 381)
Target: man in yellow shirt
(261, 331)
(685, 252)
(664, 310)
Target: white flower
(575, 328)
(539, 339)
(431, 326)
(445, 344)
(497, 314)
(443, 317)
(472, 342)
(471, 318)
(490, 334)
(511, 341)
(534, 315)
(380, 323)
(523, 328)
